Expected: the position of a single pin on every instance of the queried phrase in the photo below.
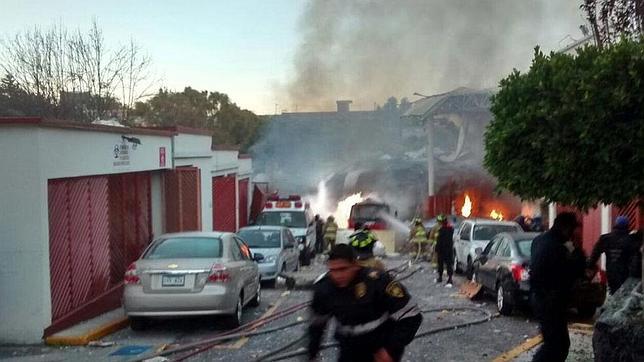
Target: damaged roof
(460, 99)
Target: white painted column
(552, 213)
(605, 218)
(157, 202)
(236, 202)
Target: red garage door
(224, 203)
(243, 202)
(182, 190)
(78, 242)
(97, 226)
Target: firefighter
(445, 252)
(418, 239)
(363, 241)
(616, 247)
(375, 316)
(433, 238)
(330, 232)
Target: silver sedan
(190, 274)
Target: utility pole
(429, 128)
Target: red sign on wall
(161, 156)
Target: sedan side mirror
(478, 251)
(258, 257)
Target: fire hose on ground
(487, 316)
(247, 330)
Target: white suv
(476, 233)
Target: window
(496, 242)
(465, 231)
(505, 250)
(487, 232)
(292, 219)
(235, 251)
(244, 249)
(261, 238)
(180, 248)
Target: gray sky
(245, 48)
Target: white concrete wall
(25, 302)
(225, 162)
(71, 153)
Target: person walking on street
(375, 317)
(554, 269)
(330, 232)
(445, 252)
(615, 245)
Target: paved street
(480, 342)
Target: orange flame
(466, 210)
(496, 215)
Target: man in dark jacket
(445, 252)
(616, 247)
(553, 270)
(375, 315)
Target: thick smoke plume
(370, 50)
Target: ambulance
(296, 215)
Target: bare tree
(612, 19)
(136, 78)
(76, 74)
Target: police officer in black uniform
(375, 315)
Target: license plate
(173, 280)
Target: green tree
(571, 129)
(202, 109)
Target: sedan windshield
(185, 248)
(261, 238)
(290, 219)
(487, 232)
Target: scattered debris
(100, 344)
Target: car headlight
(270, 259)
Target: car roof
(209, 234)
(490, 222)
(264, 227)
(522, 235)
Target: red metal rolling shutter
(633, 212)
(224, 203)
(243, 202)
(183, 199)
(79, 242)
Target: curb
(92, 335)
(518, 350)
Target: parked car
(278, 246)
(192, 274)
(503, 269)
(476, 233)
(296, 215)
